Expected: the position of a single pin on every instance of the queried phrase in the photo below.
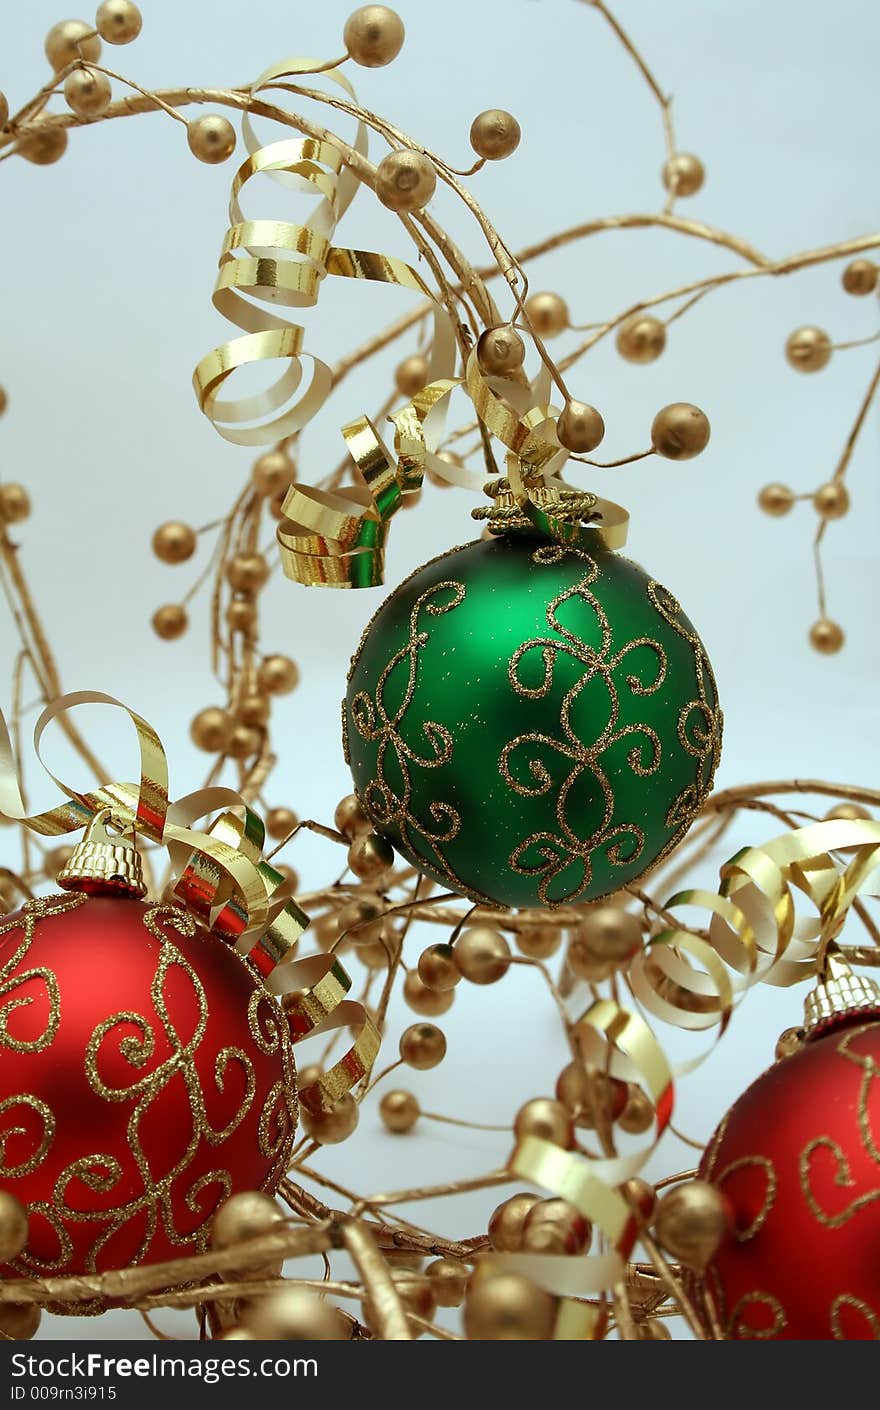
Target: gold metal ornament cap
(839, 996)
(104, 864)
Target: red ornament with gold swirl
(151, 1075)
(798, 1159)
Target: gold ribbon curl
(615, 1040)
(223, 880)
(755, 932)
(338, 538)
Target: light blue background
(107, 273)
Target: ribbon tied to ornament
(222, 880)
(337, 538)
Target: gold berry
(15, 503)
(449, 458)
(244, 742)
(245, 1215)
(554, 1226)
(399, 1111)
(808, 349)
(690, 1221)
(211, 729)
(437, 967)
(56, 860)
(680, 431)
(374, 36)
(683, 174)
(495, 134)
(278, 675)
(430, 1003)
(411, 375)
(350, 818)
(170, 621)
(481, 955)
(174, 542)
(507, 1222)
(580, 427)
(71, 39)
(849, 812)
(19, 1321)
(547, 1119)
(362, 921)
(42, 142)
(13, 1226)
(638, 1114)
(378, 954)
(790, 1041)
(280, 823)
(241, 616)
(247, 572)
(776, 499)
(211, 138)
(590, 1096)
(423, 1046)
(606, 933)
(273, 473)
(87, 93)
(405, 180)
(508, 1307)
(826, 636)
(547, 313)
(253, 710)
(329, 1127)
(370, 856)
(641, 1197)
(118, 21)
(290, 1314)
(831, 501)
(641, 338)
(539, 942)
(500, 351)
(860, 277)
(449, 1279)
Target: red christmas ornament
(798, 1158)
(146, 1074)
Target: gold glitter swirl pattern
(746, 1162)
(810, 1156)
(387, 804)
(700, 722)
(87, 1191)
(22, 990)
(741, 1329)
(549, 855)
(24, 1165)
(858, 1305)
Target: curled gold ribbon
(755, 934)
(337, 539)
(686, 980)
(617, 1041)
(223, 880)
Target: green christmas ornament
(532, 724)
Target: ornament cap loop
(840, 995)
(104, 864)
